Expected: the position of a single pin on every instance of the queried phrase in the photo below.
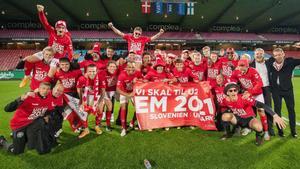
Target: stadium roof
(252, 15)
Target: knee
(256, 125)
(227, 117)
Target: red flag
(160, 105)
(146, 7)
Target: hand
(246, 95)
(76, 56)
(110, 24)
(131, 94)
(161, 31)
(279, 121)
(46, 118)
(40, 8)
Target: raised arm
(117, 31)
(43, 18)
(154, 37)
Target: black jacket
(285, 74)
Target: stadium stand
(10, 58)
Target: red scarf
(94, 88)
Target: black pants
(268, 102)
(288, 97)
(36, 135)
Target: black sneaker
(271, 132)
(281, 134)
(2, 140)
(294, 135)
(259, 139)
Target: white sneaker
(192, 127)
(103, 116)
(112, 119)
(267, 136)
(150, 130)
(167, 129)
(57, 134)
(123, 133)
(178, 128)
(131, 125)
(245, 131)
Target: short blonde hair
(278, 50)
(49, 49)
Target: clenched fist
(110, 24)
(40, 8)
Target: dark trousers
(268, 102)
(288, 97)
(36, 135)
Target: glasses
(137, 34)
(232, 90)
(229, 53)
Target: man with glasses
(240, 113)
(136, 42)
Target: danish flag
(146, 7)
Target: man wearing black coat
(280, 77)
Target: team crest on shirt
(37, 112)
(212, 73)
(68, 83)
(129, 86)
(246, 83)
(58, 48)
(136, 46)
(111, 81)
(40, 75)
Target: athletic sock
(264, 122)
(108, 117)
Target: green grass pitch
(183, 148)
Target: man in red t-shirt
(59, 39)
(183, 74)
(91, 90)
(125, 84)
(39, 68)
(229, 63)
(213, 68)
(136, 42)
(252, 83)
(241, 113)
(158, 73)
(67, 76)
(111, 77)
(28, 121)
(198, 67)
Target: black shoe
(2, 140)
(259, 139)
(280, 133)
(271, 132)
(226, 136)
(294, 135)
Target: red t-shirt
(241, 107)
(184, 76)
(68, 79)
(87, 82)
(251, 81)
(199, 70)
(146, 69)
(125, 81)
(228, 66)
(31, 108)
(40, 73)
(61, 44)
(136, 44)
(110, 80)
(153, 76)
(212, 72)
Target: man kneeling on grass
(241, 113)
(29, 122)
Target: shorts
(110, 94)
(243, 122)
(259, 98)
(124, 99)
